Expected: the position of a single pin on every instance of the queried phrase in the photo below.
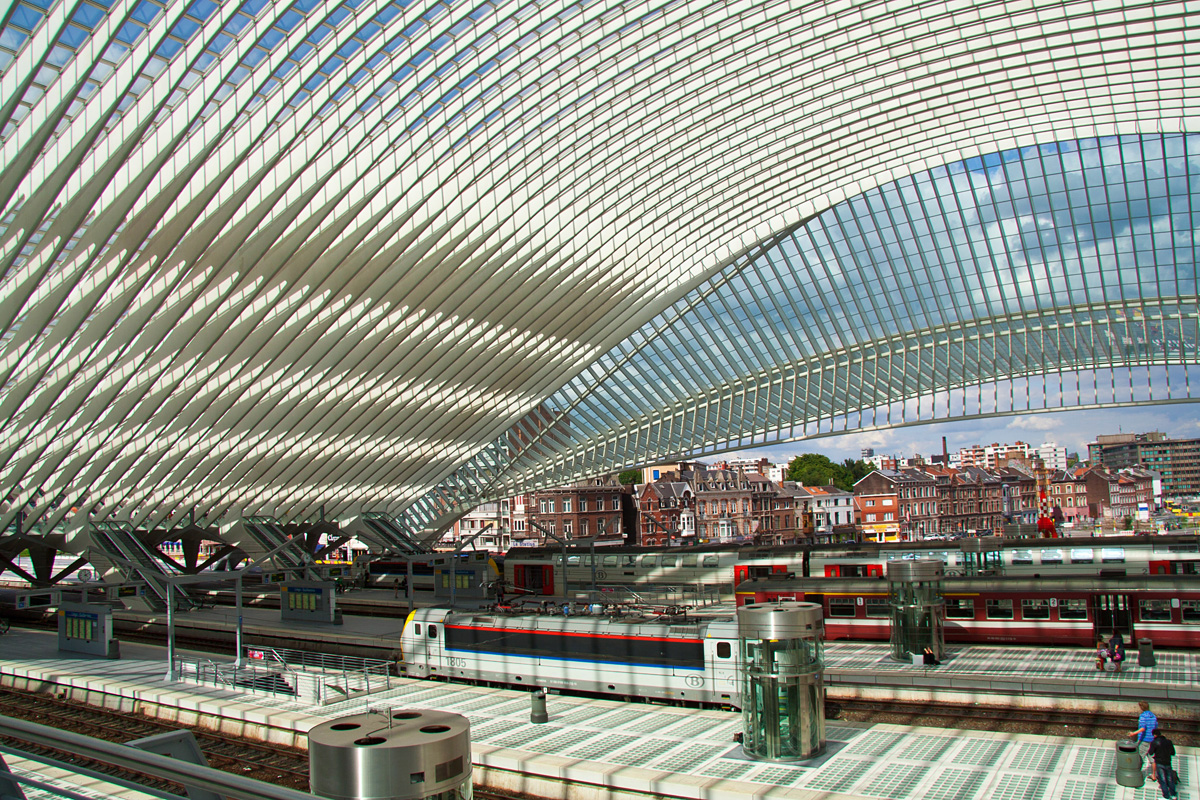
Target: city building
(1052, 456)
(969, 500)
(1019, 503)
(586, 509)
(1068, 495)
(1176, 460)
(831, 509)
(666, 513)
(897, 505)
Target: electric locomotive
(689, 661)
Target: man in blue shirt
(1147, 722)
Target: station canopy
(326, 258)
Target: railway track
(1002, 718)
(282, 766)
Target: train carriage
(540, 570)
(1011, 609)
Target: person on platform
(1115, 640)
(1101, 654)
(1118, 656)
(1147, 722)
(1161, 751)
(931, 659)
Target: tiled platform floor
(1066, 663)
(674, 752)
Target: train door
(433, 634)
(534, 578)
(833, 570)
(1110, 612)
(749, 571)
(721, 660)
(1160, 567)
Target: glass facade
(316, 258)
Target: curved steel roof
(369, 255)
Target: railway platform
(617, 751)
(1060, 677)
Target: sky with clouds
(1069, 429)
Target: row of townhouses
(688, 503)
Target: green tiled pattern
(778, 776)
(980, 752)
(1088, 790)
(1036, 757)
(1015, 786)
(956, 784)
(925, 748)
(839, 774)
(645, 751)
(898, 780)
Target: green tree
(814, 469)
(629, 476)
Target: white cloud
(1070, 429)
(1035, 422)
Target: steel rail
(181, 772)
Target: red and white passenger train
(541, 571)
(1018, 609)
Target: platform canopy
(402, 256)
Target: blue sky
(1070, 429)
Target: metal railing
(234, 787)
(318, 679)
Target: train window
(878, 607)
(587, 561)
(1191, 610)
(1035, 609)
(690, 561)
(668, 561)
(1112, 555)
(1052, 556)
(649, 561)
(610, 561)
(1155, 610)
(999, 609)
(1075, 608)
(433, 631)
(1022, 557)
(628, 561)
(1081, 555)
(841, 606)
(724, 650)
(417, 629)
(711, 561)
(573, 561)
(960, 608)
